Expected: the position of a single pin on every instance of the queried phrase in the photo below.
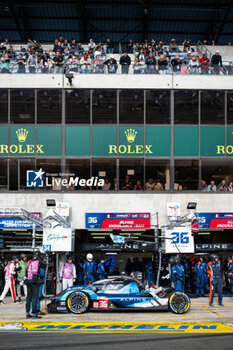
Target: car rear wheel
(179, 303)
(78, 302)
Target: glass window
(157, 107)
(52, 173)
(230, 107)
(214, 171)
(3, 173)
(131, 174)
(131, 107)
(13, 176)
(157, 175)
(186, 175)
(25, 164)
(22, 110)
(104, 106)
(105, 169)
(78, 106)
(212, 107)
(78, 168)
(49, 106)
(186, 106)
(4, 106)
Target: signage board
(178, 240)
(16, 223)
(215, 221)
(57, 239)
(173, 209)
(207, 247)
(116, 221)
(62, 209)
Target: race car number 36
(103, 304)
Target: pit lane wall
(118, 81)
(81, 203)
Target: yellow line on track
(214, 312)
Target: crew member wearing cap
(68, 273)
(215, 276)
(9, 280)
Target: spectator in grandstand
(28, 53)
(98, 65)
(142, 56)
(130, 46)
(138, 186)
(187, 45)
(183, 68)
(58, 63)
(173, 47)
(163, 65)
(223, 187)
(21, 62)
(65, 44)
(61, 39)
(72, 64)
(204, 63)
(229, 44)
(85, 64)
(157, 186)
(32, 63)
(3, 48)
(107, 185)
(59, 47)
(80, 50)
(205, 42)
(159, 49)
(30, 43)
(109, 46)
(91, 45)
(39, 49)
(11, 53)
(55, 46)
(5, 64)
(73, 43)
(45, 61)
(127, 184)
(216, 63)
(125, 62)
(114, 186)
(230, 187)
(212, 187)
(203, 186)
(151, 64)
(193, 65)
(99, 51)
(137, 67)
(150, 50)
(176, 64)
(188, 56)
(136, 49)
(153, 44)
(213, 42)
(149, 185)
(111, 63)
(66, 54)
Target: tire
(78, 302)
(179, 303)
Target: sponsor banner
(117, 220)
(128, 246)
(63, 209)
(14, 223)
(173, 209)
(178, 240)
(206, 247)
(215, 220)
(57, 239)
(117, 327)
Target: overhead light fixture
(51, 203)
(191, 205)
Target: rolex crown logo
(130, 135)
(22, 134)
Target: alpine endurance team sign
(178, 240)
(215, 221)
(117, 220)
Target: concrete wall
(82, 203)
(118, 81)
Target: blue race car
(119, 292)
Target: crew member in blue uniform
(150, 273)
(215, 275)
(89, 269)
(80, 271)
(102, 274)
(230, 273)
(178, 275)
(186, 265)
(200, 271)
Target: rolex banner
(178, 240)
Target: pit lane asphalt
(18, 341)
(200, 311)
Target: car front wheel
(78, 302)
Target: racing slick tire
(179, 303)
(78, 302)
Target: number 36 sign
(178, 240)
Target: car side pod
(179, 302)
